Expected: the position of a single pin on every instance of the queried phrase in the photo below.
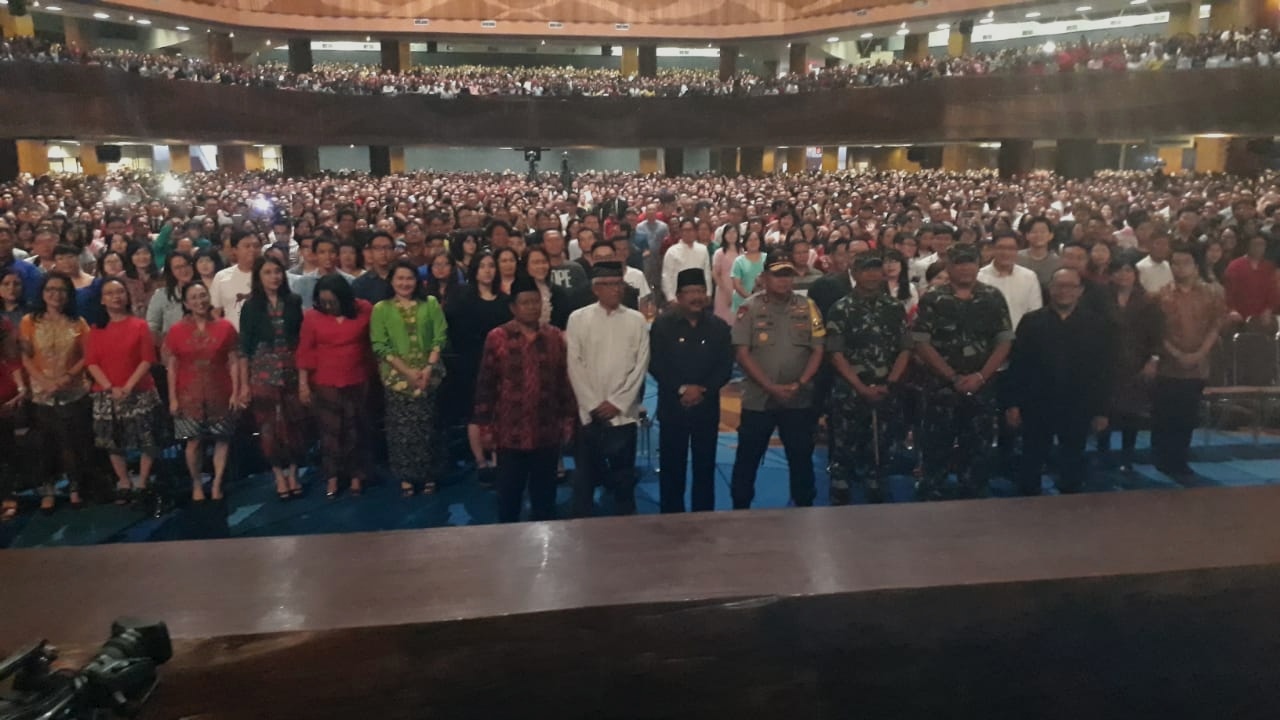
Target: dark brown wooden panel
(93, 104)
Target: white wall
(463, 159)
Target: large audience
(369, 320)
(1208, 50)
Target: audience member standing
(54, 343)
(1059, 383)
(524, 397)
(270, 325)
(126, 407)
(608, 356)
(1192, 317)
(478, 309)
(1137, 351)
(232, 285)
(685, 254)
(778, 340)
(408, 333)
(333, 379)
(1019, 285)
(202, 362)
(691, 358)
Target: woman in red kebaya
(126, 406)
(337, 330)
(204, 384)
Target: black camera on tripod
(117, 681)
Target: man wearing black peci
(691, 357)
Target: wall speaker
(107, 154)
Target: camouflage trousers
(856, 426)
(957, 433)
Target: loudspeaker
(107, 154)
(965, 27)
(17, 8)
(915, 154)
(606, 50)
(431, 46)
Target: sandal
(77, 503)
(9, 512)
(283, 495)
(123, 494)
(295, 492)
(407, 490)
(332, 491)
(428, 488)
(48, 504)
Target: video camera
(117, 681)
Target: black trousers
(795, 427)
(1175, 412)
(535, 469)
(1039, 429)
(679, 434)
(605, 455)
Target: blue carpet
(252, 510)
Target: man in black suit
(827, 290)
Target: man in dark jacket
(691, 357)
(1059, 382)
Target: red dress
(202, 378)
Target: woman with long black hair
(208, 262)
(270, 325)
(1139, 338)
(13, 393)
(54, 340)
(165, 309)
(142, 277)
(442, 278)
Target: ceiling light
(268, 41)
(1033, 14)
(833, 38)
(231, 35)
(903, 31)
(788, 44)
(986, 20)
(1137, 2)
(143, 21)
(944, 26)
(867, 36)
(53, 8)
(1049, 47)
(368, 38)
(182, 28)
(101, 15)
(1084, 8)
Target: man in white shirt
(1153, 270)
(608, 348)
(231, 285)
(1020, 286)
(325, 250)
(688, 253)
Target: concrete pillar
(180, 158)
(89, 164)
(728, 161)
(1241, 14)
(300, 55)
(8, 160)
(897, 159)
(648, 61)
(795, 160)
(16, 25)
(959, 39)
(1015, 158)
(395, 56)
(769, 163)
(1172, 157)
(1183, 19)
(299, 160)
(830, 159)
(74, 34)
(253, 158)
(673, 161)
(1077, 158)
(1245, 155)
(220, 48)
(380, 160)
(915, 47)
(397, 159)
(728, 62)
(630, 60)
(231, 158)
(799, 53)
(33, 157)
(751, 161)
(1211, 154)
(649, 164)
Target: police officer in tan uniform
(778, 341)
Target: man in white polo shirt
(1153, 270)
(231, 285)
(1019, 285)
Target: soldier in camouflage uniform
(963, 335)
(868, 345)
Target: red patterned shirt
(523, 391)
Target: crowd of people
(350, 322)
(1208, 50)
